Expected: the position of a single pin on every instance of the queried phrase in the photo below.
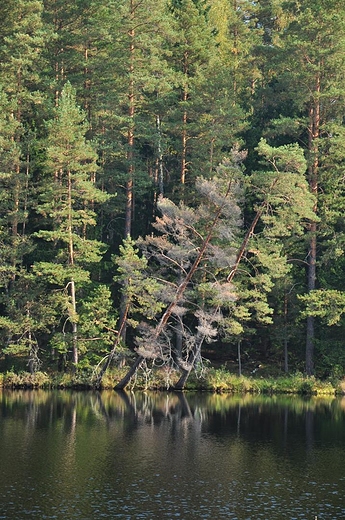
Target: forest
(172, 177)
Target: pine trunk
(74, 326)
(73, 315)
(314, 133)
(160, 157)
(130, 155)
(184, 121)
(130, 136)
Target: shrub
(26, 380)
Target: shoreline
(213, 381)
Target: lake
(89, 455)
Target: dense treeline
(172, 183)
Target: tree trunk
(111, 355)
(183, 379)
(245, 243)
(125, 380)
(73, 314)
(286, 354)
(184, 146)
(310, 334)
(130, 155)
(184, 121)
(193, 357)
(314, 134)
(160, 157)
(130, 135)
(239, 358)
(74, 326)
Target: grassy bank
(212, 380)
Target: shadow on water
(165, 455)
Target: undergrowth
(218, 380)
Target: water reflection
(145, 455)
(45, 408)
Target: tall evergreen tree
(67, 205)
(192, 58)
(282, 210)
(311, 81)
(22, 41)
(21, 44)
(130, 99)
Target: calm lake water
(68, 455)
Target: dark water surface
(146, 456)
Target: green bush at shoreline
(212, 380)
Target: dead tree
(158, 330)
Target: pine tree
(22, 41)
(67, 205)
(135, 78)
(21, 45)
(309, 75)
(9, 156)
(283, 209)
(192, 59)
(298, 101)
(237, 37)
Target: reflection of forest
(78, 442)
(208, 411)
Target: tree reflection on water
(159, 455)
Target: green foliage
(282, 186)
(68, 198)
(222, 381)
(140, 290)
(26, 380)
(215, 381)
(96, 324)
(173, 98)
(327, 304)
(284, 207)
